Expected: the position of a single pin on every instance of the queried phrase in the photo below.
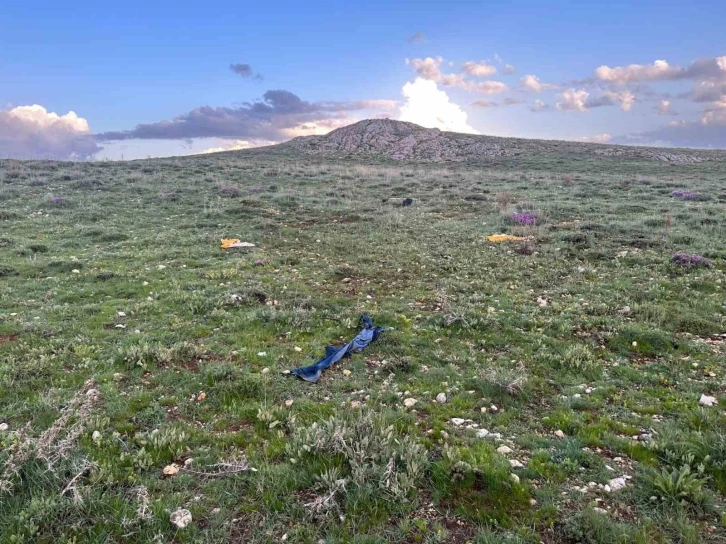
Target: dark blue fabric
(333, 354)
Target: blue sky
(121, 66)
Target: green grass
(585, 328)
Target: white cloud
(479, 69)
(428, 68)
(509, 69)
(625, 99)
(234, 145)
(533, 83)
(490, 87)
(430, 107)
(660, 70)
(597, 139)
(717, 115)
(573, 99)
(484, 104)
(664, 107)
(539, 106)
(32, 132)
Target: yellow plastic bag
(228, 242)
(496, 238)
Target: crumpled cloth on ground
(333, 354)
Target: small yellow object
(227, 242)
(171, 470)
(504, 238)
(201, 396)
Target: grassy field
(576, 358)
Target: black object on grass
(407, 202)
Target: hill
(402, 141)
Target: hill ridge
(405, 141)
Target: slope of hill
(537, 389)
(399, 140)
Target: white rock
(514, 477)
(3, 427)
(262, 354)
(483, 410)
(265, 371)
(532, 502)
(504, 449)
(516, 464)
(409, 402)
(181, 518)
(457, 421)
(120, 326)
(96, 436)
(346, 372)
(171, 470)
(493, 408)
(482, 433)
(495, 436)
(600, 510)
(441, 398)
(76, 271)
(618, 483)
(121, 314)
(559, 433)
(706, 400)
(297, 348)
(188, 462)
(288, 403)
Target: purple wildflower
(523, 218)
(256, 188)
(57, 200)
(260, 262)
(684, 259)
(685, 195)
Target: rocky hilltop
(402, 141)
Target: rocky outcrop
(402, 141)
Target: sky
(108, 81)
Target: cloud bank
(32, 132)
(430, 107)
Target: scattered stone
(514, 477)
(3, 427)
(262, 354)
(541, 302)
(494, 408)
(265, 371)
(171, 470)
(355, 404)
(441, 398)
(458, 421)
(482, 433)
(516, 464)
(504, 449)
(75, 271)
(181, 518)
(495, 436)
(288, 403)
(706, 400)
(559, 433)
(532, 502)
(409, 402)
(188, 462)
(298, 349)
(600, 510)
(346, 372)
(617, 483)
